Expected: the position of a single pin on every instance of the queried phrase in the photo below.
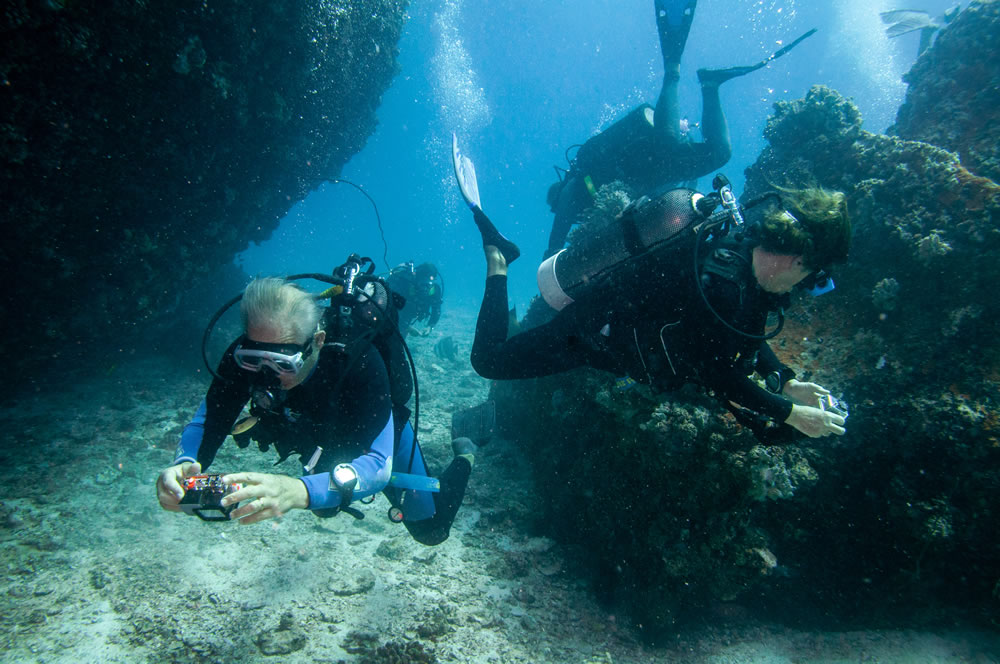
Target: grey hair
(279, 303)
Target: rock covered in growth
(145, 143)
(954, 91)
(901, 513)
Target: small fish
(446, 349)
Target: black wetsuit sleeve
(541, 351)
(745, 392)
(224, 403)
(768, 363)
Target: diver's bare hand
(804, 393)
(264, 496)
(815, 422)
(168, 485)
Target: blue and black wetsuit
(345, 407)
(659, 332)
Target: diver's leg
(491, 236)
(548, 349)
(673, 22)
(715, 129)
(453, 480)
(417, 505)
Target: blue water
(522, 80)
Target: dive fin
(719, 76)
(477, 423)
(903, 21)
(465, 173)
(673, 22)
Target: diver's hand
(168, 485)
(264, 496)
(804, 393)
(814, 422)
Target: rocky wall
(954, 91)
(677, 514)
(145, 144)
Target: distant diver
(905, 21)
(423, 289)
(648, 147)
(666, 295)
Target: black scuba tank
(643, 228)
(611, 154)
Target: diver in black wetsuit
(659, 322)
(648, 149)
(423, 289)
(333, 408)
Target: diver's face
(268, 334)
(777, 273)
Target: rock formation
(145, 144)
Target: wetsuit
(344, 406)
(658, 332)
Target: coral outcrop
(144, 144)
(954, 91)
(675, 511)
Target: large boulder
(145, 144)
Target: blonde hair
(279, 303)
(813, 224)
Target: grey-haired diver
(308, 395)
(649, 147)
(904, 21)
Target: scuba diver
(650, 148)
(671, 292)
(423, 289)
(330, 384)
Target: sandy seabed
(95, 571)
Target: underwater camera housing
(203, 496)
(829, 404)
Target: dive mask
(818, 283)
(282, 359)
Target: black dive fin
(719, 76)
(477, 423)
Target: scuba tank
(642, 227)
(610, 155)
